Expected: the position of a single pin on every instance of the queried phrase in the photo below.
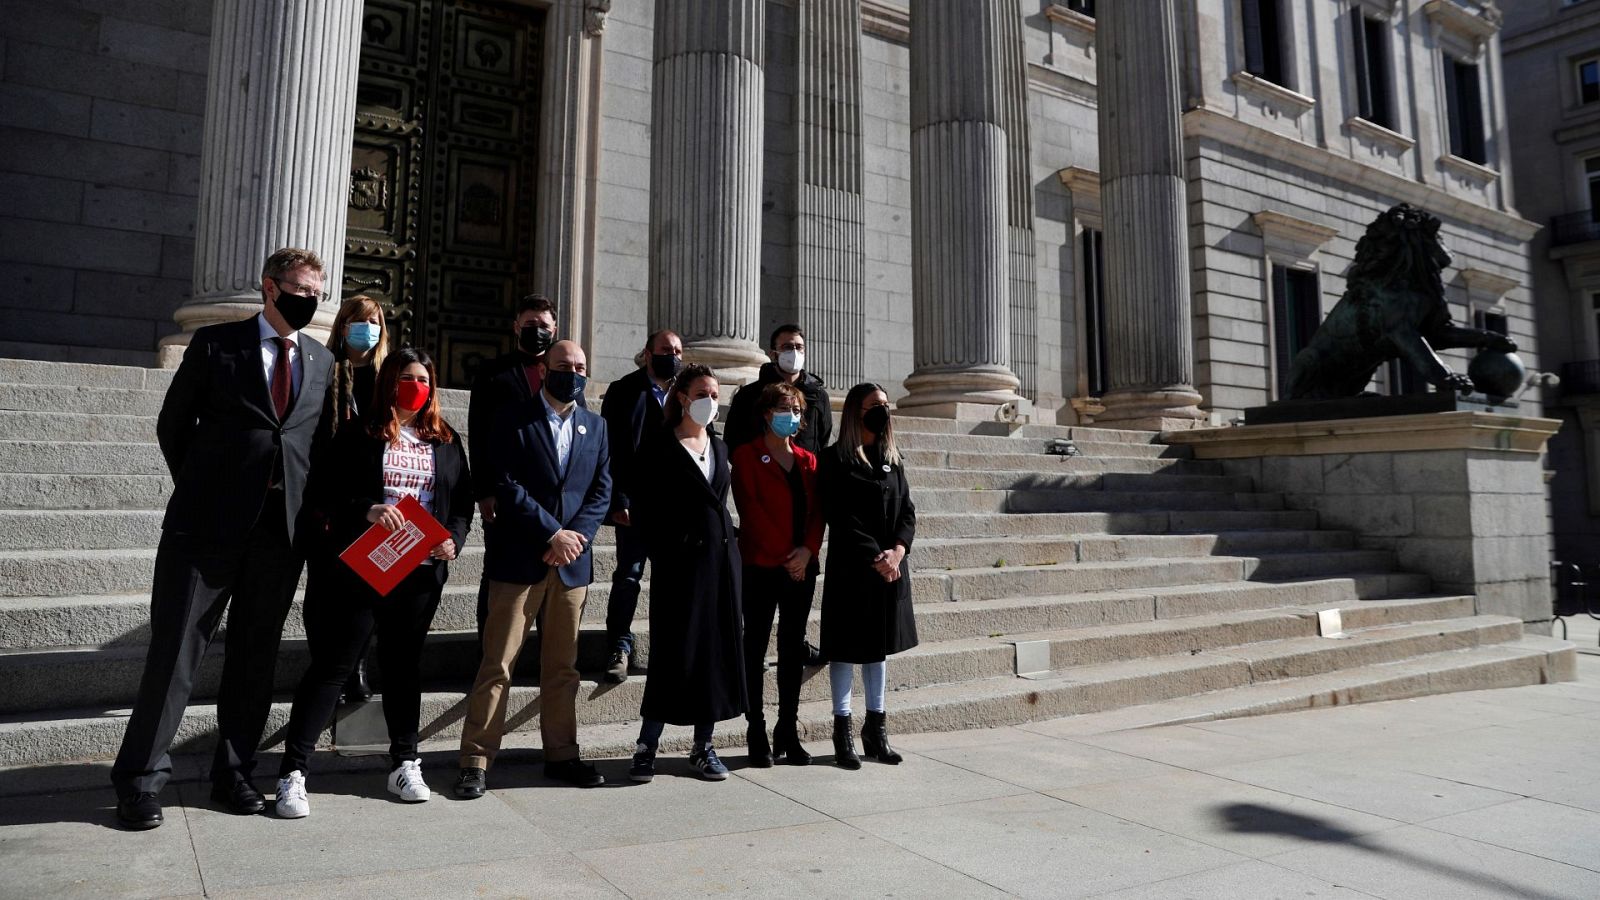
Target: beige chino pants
(513, 608)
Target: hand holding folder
(383, 558)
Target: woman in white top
(680, 504)
(405, 449)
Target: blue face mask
(785, 424)
(363, 336)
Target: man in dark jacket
(553, 487)
(237, 428)
(787, 347)
(633, 411)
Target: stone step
(94, 733)
(41, 679)
(122, 620)
(1019, 480)
(77, 427)
(84, 492)
(1044, 463)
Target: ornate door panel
(442, 173)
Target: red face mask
(412, 395)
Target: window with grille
(1296, 313)
(1374, 84)
(1464, 107)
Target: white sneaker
(292, 802)
(406, 782)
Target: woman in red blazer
(780, 535)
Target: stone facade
(1274, 173)
(1546, 43)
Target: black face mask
(665, 366)
(564, 386)
(535, 341)
(295, 309)
(876, 419)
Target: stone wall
(100, 112)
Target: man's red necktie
(282, 383)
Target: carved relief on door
(442, 173)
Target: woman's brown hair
(849, 443)
(357, 308)
(773, 395)
(429, 424)
(673, 412)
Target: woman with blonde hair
(867, 613)
(359, 341)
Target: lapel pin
(766, 459)
(886, 467)
(583, 429)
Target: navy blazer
(222, 439)
(534, 500)
(631, 413)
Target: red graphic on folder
(384, 558)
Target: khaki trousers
(513, 608)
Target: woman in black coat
(680, 502)
(866, 594)
(405, 449)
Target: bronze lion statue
(1393, 306)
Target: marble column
(1024, 299)
(1149, 331)
(275, 160)
(830, 229)
(960, 239)
(569, 162)
(706, 140)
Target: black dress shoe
(141, 812)
(472, 783)
(238, 798)
(575, 772)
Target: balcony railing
(1574, 228)
(1582, 377)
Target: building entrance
(442, 173)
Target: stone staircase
(1137, 576)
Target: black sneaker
(472, 784)
(617, 668)
(575, 772)
(705, 762)
(643, 769)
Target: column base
(1174, 409)
(735, 361)
(194, 316)
(962, 392)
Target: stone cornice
(1467, 170)
(1373, 133)
(1293, 103)
(1465, 430)
(1482, 281)
(1474, 20)
(1082, 183)
(1059, 84)
(1286, 232)
(1206, 123)
(1077, 21)
(891, 21)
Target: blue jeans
(624, 600)
(842, 676)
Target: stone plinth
(275, 162)
(1457, 496)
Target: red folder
(384, 558)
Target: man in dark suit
(553, 476)
(506, 381)
(632, 410)
(237, 429)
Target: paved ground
(1490, 794)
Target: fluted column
(275, 160)
(706, 144)
(830, 224)
(1150, 340)
(1024, 298)
(960, 239)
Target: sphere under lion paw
(1497, 374)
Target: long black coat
(869, 510)
(696, 669)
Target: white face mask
(792, 361)
(703, 411)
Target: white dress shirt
(561, 432)
(269, 355)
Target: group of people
(283, 452)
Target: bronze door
(442, 173)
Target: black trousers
(770, 592)
(623, 603)
(194, 583)
(342, 614)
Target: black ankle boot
(356, 689)
(844, 744)
(755, 738)
(875, 739)
(786, 744)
